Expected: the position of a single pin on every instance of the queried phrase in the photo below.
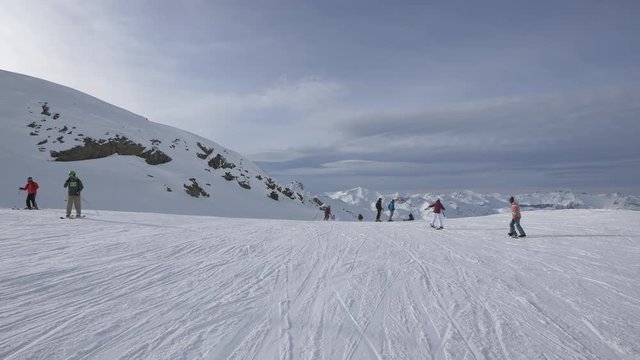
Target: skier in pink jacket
(515, 219)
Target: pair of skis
(73, 217)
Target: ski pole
(89, 205)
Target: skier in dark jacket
(74, 186)
(438, 211)
(327, 212)
(32, 189)
(379, 208)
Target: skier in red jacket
(32, 189)
(438, 211)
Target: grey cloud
(560, 138)
(554, 112)
(587, 125)
(438, 92)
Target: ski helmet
(72, 173)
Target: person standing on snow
(327, 212)
(438, 211)
(515, 219)
(75, 187)
(379, 209)
(32, 189)
(392, 208)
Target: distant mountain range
(469, 203)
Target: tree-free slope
(133, 285)
(125, 161)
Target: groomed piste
(119, 285)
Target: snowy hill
(154, 286)
(125, 161)
(469, 203)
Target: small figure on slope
(32, 189)
(378, 209)
(438, 212)
(327, 212)
(392, 208)
(74, 186)
(360, 217)
(410, 218)
(515, 219)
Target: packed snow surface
(151, 286)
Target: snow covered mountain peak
(126, 161)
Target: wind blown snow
(134, 285)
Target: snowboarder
(379, 209)
(438, 212)
(411, 218)
(74, 186)
(327, 212)
(515, 219)
(32, 189)
(360, 217)
(392, 208)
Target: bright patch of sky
(403, 95)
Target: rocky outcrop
(96, 149)
(194, 190)
(205, 151)
(155, 157)
(219, 161)
(271, 185)
(45, 109)
(244, 184)
(287, 192)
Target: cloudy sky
(504, 95)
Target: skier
(392, 208)
(74, 186)
(379, 209)
(32, 189)
(327, 212)
(515, 219)
(438, 211)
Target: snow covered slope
(152, 286)
(125, 161)
(469, 203)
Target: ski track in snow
(151, 286)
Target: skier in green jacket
(74, 186)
